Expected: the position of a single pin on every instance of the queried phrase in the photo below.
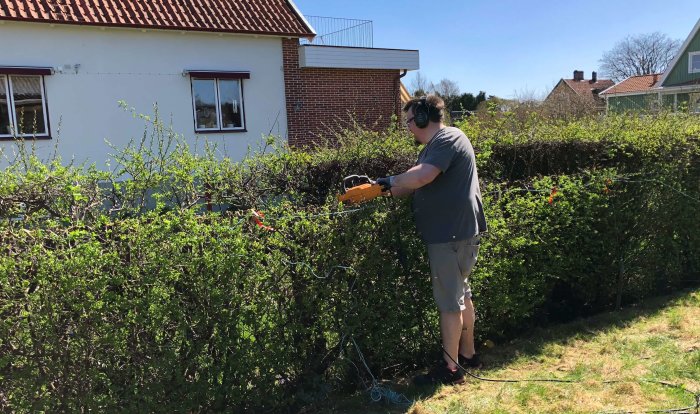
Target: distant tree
(467, 102)
(420, 85)
(528, 96)
(420, 92)
(447, 89)
(494, 104)
(639, 55)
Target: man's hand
(385, 182)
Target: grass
(622, 361)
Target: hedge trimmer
(359, 189)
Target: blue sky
(509, 48)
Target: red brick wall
(321, 100)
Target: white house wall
(142, 69)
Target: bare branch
(639, 55)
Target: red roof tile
(639, 83)
(271, 17)
(585, 87)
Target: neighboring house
(634, 93)
(678, 88)
(577, 95)
(228, 71)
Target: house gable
(560, 88)
(678, 88)
(677, 73)
(585, 90)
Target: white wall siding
(357, 58)
(141, 68)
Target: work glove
(385, 182)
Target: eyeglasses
(409, 120)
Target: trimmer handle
(355, 180)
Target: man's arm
(400, 191)
(416, 177)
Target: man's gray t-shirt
(450, 207)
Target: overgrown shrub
(150, 289)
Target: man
(449, 215)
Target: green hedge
(116, 297)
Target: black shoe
(472, 362)
(440, 374)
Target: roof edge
(310, 45)
(296, 10)
(571, 87)
(552, 91)
(605, 92)
(681, 51)
(633, 93)
(150, 27)
(678, 88)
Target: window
(217, 98)
(694, 62)
(22, 106)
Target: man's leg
(449, 293)
(466, 342)
(451, 331)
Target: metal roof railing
(334, 31)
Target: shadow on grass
(560, 334)
(496, 358)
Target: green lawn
(618, 359)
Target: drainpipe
(398, 94)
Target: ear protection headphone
(421, 113)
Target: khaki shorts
(450, 266)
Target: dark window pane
(205, 103)
(29, 107)
(231, 105)
(5, 128)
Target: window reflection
(204, 91)
(5, 128)
(695, 63)
(231, 110)
(29, 109)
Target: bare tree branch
(447, 88)
(639, 55)
(420, 85)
